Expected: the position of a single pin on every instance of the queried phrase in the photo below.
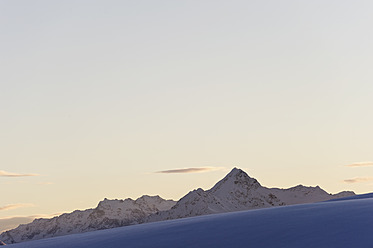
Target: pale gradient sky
(98, 96)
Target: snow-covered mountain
(331, 224)
(236, 192)
(108, 214)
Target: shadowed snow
(342, 224)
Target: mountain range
(343, 223)
(108, 214)
(235, 192)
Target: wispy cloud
(358, 180)
(360, 164)
(13, 206)
(11, 174)
(191, 170)
(45, 183)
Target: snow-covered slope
(108, 214)
(340, 224)
(237, 191)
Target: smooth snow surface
(328, 224)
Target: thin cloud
(358, 180)
(45, 183)
(11, 174)
(190, 170)
(46, 216)
(14, 206)
(360, 164)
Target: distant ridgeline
(235, 192)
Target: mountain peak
(235, 171)
(238, 173)
(235, 179)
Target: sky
(119, 99)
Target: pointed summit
(237, 178)
(235, 171)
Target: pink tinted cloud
(358, 180)
(14, 206)
(360, 164)
(11, 174)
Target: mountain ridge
(107, 214)
(342, 224)
(237, 191)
